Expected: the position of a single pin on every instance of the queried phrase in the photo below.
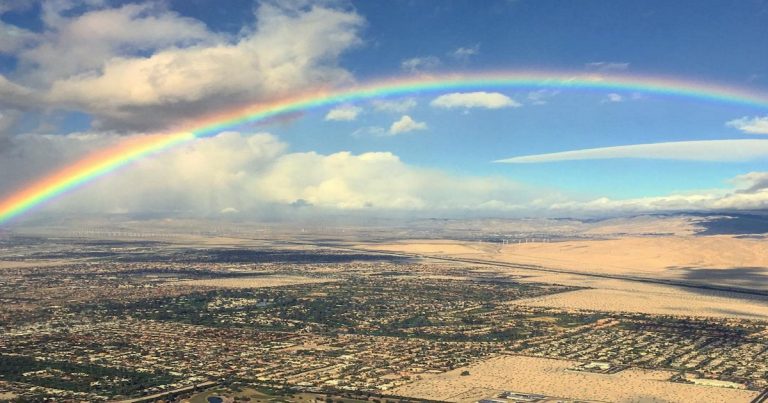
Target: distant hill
(734, 224)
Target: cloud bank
(750, 192)
(254, 174)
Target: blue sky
(68, 91)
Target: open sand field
(645, 225)
(11, 264)
(430, 247)
(551, 377)
(669, 255)
(621, 296)
(643, 255)
(710, 260)
(7, 396)
(256, 281)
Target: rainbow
(122, 154)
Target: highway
(639, 279)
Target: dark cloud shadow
(737, 278)
(735, 224)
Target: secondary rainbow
(122, 154)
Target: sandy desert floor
(256, 282)
(12, 264)
(713, 260)
(669, 255)
(620, 296)
(553, 378)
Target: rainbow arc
(125, 152)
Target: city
(120, 325)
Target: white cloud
(370, 131)
(207, 176)
(751, 125)
(540, 97)
(12, 94)
(607, 66)
(80, 45)
(254, 175)
(750, 193)
(233, 173)
(480, 99)
(420, 64)
(751, 182)
(28, 157)
(465, 53)
(142, 67)
(702, 150)
(8, 117)
(13, 38)
(406, 124)
(378, 181)
(617, 98)
(394, 106)
(15, 5)
(344, 113)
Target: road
(639, 279)
(155, 397)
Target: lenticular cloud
(704, 150)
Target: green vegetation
(441, 310)
(105, 381)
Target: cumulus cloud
(406, 124)
(28, 157)
(14, 95)
(235, 173)
(141, 67)
(751, 182)
(14, 99)
(378, 180)
(8, 118)
(200, 178)
(15, 5)
(13, 38)
(343, 113)
(394, 106)
(420, 64)
(751, 125)
(253, 174)
(701, 150)
(80, 45)
(480, 99)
